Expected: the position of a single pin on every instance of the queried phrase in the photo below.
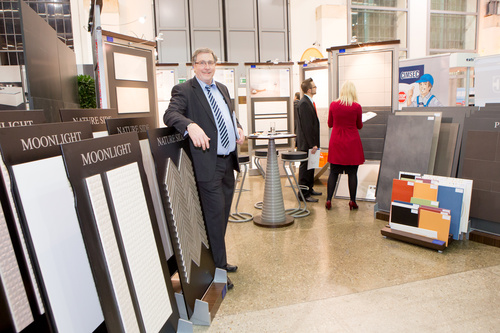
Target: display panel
(48, 206)
(114, 207)
(371, 73)
(269, 82)
(11, 280)
(267, 110)
(131, 95)
(226, 77)
(410, 145)
(131, 210)
(181, 205)
(322, 101)
(7, 184)
(132, 100)
(367, 182)
(187, 217)
(112, 253)
(130, 67)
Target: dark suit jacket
(307, 125)
(188, 104)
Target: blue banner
(410, 74)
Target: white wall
(489, 27)
(304, 27)
(81, 36)
(120, 16)
(418, 26)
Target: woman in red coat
(345, 152)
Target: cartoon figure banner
(424, 82)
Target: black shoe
(313, 192)
(230, 284)
(231, 268)
(308, 199)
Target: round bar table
(273, 208)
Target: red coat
(345, 146)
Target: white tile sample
(111, 253)
(136, 231)
(49, 207)
(12, 282)
(6, 180)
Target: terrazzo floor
(333, 271)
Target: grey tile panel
(451, 114)
(410, 145)
(445, 153)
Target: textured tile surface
(140, 245)
(6, 180)
(112, 253)
(11, 280)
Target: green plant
(86, 92)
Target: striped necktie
(221, 124)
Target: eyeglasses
(205, 63)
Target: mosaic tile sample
(136, 230)
(6, 180)
(12, 283)
(186, 211)
(111, 253)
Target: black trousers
(352, 178)
(216, 197)
(306, 178)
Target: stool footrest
(240, 217)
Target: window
(379, 20)
(56, 12)
(453, 26)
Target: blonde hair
(348, 94)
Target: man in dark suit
(201, 108)
(307, 136)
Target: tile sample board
(480, 161)
(445, 153)
(410, 145)
(97, 118)
(425, 191)
(373, 132)
(14, 301)
(406, 214)
(21, 118)
(367, 182)
(449, 115)
(465, 185)
(14, 242)
(424, 202)
(402, 190)
(141, 125)
(115, 205)
(170, 150)
(435, 220)
(452, 198)
(47, 211)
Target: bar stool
(258, 155)
(288, 159)
(243, 160)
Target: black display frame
(77, 173)
(167, 144)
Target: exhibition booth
(100, 216)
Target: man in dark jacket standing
(307, 136)
(201, 108)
